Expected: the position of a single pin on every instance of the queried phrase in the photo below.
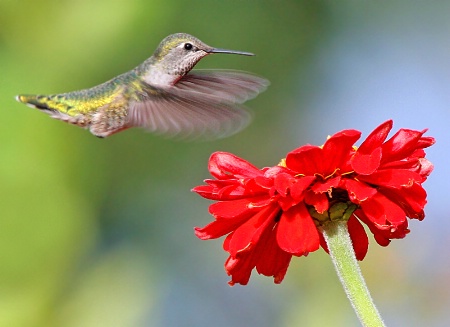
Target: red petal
(275, 261)
(366, 164)
(425, 142)
(306, 160)
(300, 186)
(381, 239)
(286, 202)
(229, 215)
(376, 230)
(411, 163)
(217, 229)
(400, 231)
(239, 269)
(376, 138)
(231, 192)
(226, 242)
(359, 237)
(226, 192)
(250, 232)
(204, 191)
(323, 243)
(220, 227)
(272, 172)
(401, 145)
(426, 167)
(296, 233)
(357, 191)
(264, 182)
(412, 199)
(268, 258)
(384, 236)
(283, 182)
(326, 186)
(231, 209)
(396, 178)
(337, 150)
(318, 200)
(222, 165)
(381, 211)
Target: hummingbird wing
(203, 104)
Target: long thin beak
(218, 50)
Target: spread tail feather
(52, 107)
(34, 101)
(50, 104)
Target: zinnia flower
(273, 213)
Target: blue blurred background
(98, 232)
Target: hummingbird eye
(188, 46)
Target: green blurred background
(98, 232)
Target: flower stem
(344, 260)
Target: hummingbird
(162, 95)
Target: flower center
(282, 163)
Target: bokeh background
(99, 232)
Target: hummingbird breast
(161, 77)
(167, 70)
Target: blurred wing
(203, 104)
(228, 85)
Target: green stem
(344, 260)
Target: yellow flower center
(282, 163)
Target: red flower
(273, 213)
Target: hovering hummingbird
(162, 95)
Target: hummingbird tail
(53, 106)
(41, 102)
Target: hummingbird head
(178, 53)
